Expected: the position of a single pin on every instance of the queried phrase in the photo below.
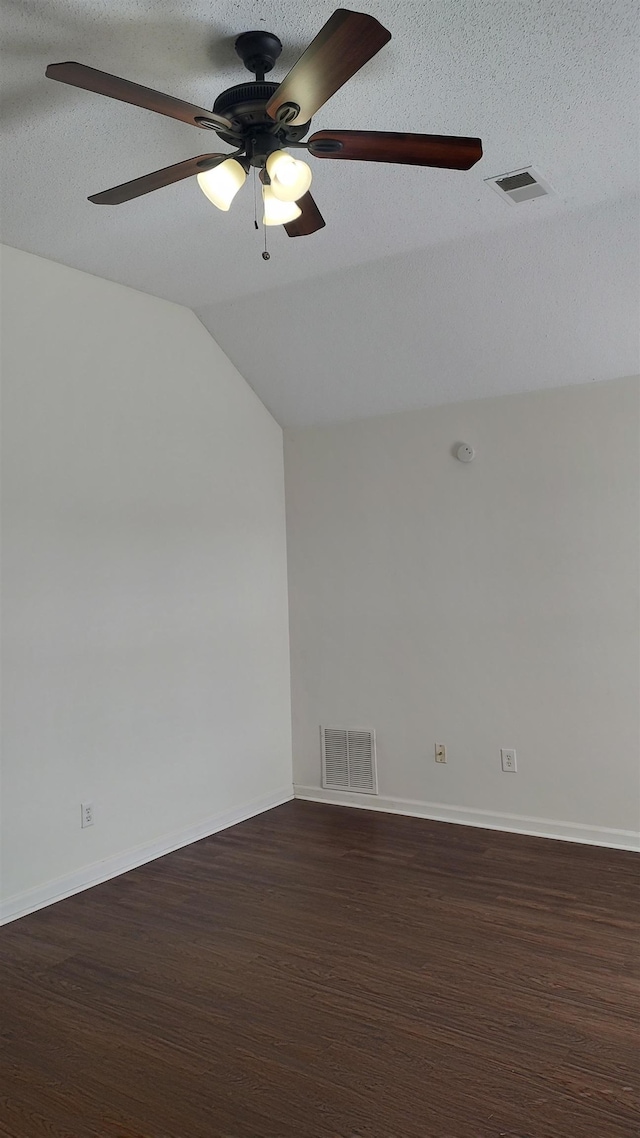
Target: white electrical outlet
(87, 814)
(508, 756)
(441, 753)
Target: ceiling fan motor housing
(245, 104)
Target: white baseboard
(464, 816)
(94, 874)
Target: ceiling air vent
(520, 186)
(349, 759)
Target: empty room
(320, 625)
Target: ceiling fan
(263, 121)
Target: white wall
(145, 630)
(483, 606)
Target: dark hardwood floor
(320, 972)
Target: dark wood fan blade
(158, 179)
(411, 149)
(77, 75)
(345, 43)
(310, 220)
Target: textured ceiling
(545, 305)
(543, 83)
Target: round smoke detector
(465, 453)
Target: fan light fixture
(222, 183)
(290, 178)
(277, 212)
(263, 120)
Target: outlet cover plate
(508, 757)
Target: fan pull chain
(266, 255)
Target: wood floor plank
(321, 972)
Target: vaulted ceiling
(424, 286)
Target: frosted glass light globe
(290, 179)
(277, 212)
(222, 183)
